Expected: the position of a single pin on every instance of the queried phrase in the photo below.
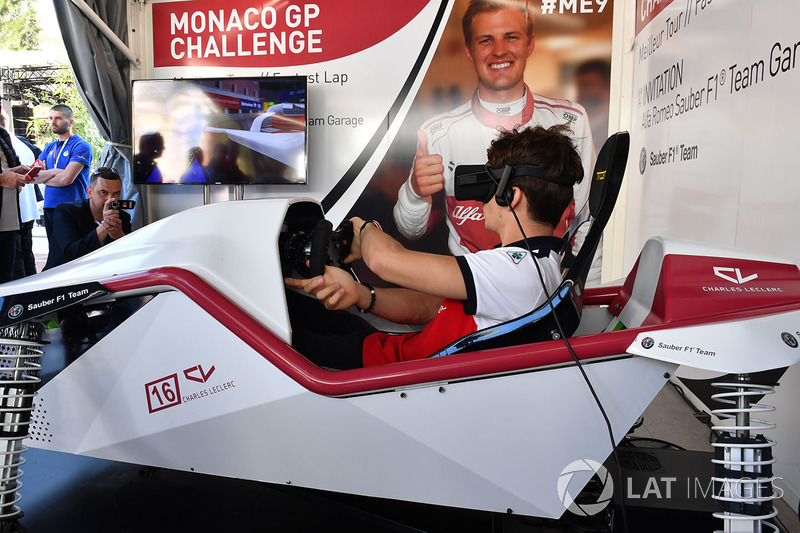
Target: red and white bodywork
(202, 378)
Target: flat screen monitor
(220, 130)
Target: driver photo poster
(376, 71)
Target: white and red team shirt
(462, 137)
(502, 284)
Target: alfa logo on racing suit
(463, 213)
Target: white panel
(498, 443)
(739, 346)
(101, 398)
(218, 242)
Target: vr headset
(481, 182)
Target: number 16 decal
(163, 393)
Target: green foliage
(19, 23)
(64, 91)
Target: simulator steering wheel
(329, 247)
(318, 255)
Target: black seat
(563, 308)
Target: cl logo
(718, 271)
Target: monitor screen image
(220, 130)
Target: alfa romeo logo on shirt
(517, 256)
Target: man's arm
(337, 290)
(60, 177)
(402, 306)
(585, 146)
(14, 178)
(70, 236)
(413, 208)
(433, 274)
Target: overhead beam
(103, 27)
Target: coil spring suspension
(20, 350)
(743, 481)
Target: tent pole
(103, 27)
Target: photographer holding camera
(85, 225)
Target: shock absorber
(743, 480)
(20, 350)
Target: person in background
(145, 166)
(24, 260)
(196, 173)
(12, 179)
(66, 162)
(593, 84)
(85, 225)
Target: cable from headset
(579, 365)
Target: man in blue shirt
(67, 162)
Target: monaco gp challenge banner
(713, 124)
(376, 70)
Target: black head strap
(564, 178)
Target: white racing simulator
(178, 355)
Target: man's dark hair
(544, 148)
(489, 6)
(107, 173)
(65, 109)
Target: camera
(121, 204)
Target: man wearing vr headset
(498, 36)
(85, 225)
(524, 192)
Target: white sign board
(712, 133)
(713, 142)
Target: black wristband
(371, 298)
(364, 225)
